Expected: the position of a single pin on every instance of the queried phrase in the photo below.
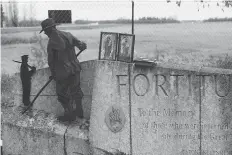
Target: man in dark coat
(25, 76)
(65, 68)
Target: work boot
(63, 118)
(78, 109)
(67, 118)
(68, 114)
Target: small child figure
(25, 76)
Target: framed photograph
(108, 46)
(126, 47)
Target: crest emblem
(115, 118)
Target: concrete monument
(141, 110)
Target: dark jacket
(62, 58)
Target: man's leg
(77, 96)
(62, 89)
(79, 109)
(63, 101)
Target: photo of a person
(126, 47)
(108, 46)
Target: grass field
(201, 44)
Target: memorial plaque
(180, 113)
(165, 112)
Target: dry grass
(200, 44)
(225, 62)
(17, 40)
(7, 86)
(198, 59)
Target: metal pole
(129, 74)
(132, 17)
(200, 100)
(130, 108)
(2, 16)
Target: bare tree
(2, 16)
(220, 3)
(24, 13)
(32, 13)
(13, 12)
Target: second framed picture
(126, 47)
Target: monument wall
(180, 112)
(110, 120)
(161, 110)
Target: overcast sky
(104, 10)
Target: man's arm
(76, 42)
(51, 60)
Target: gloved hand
(52, 78)
(83, 46)
(33, 68)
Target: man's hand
(33, 68)
(82, 46)
(52, 78)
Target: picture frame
(108, 46)
(126, 47)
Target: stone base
(40, 133)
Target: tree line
(10, 15)
(218, 20)
(151, 20)
(11, 18)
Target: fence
(160, 27)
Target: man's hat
(24, 57)
(49, 22)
